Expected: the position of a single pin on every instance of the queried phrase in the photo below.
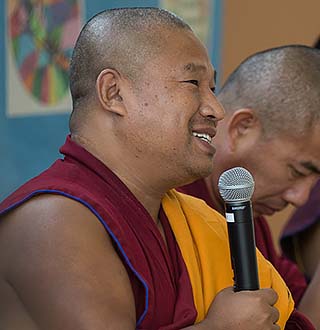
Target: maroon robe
(289, 271)
(160, 282)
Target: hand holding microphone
(244, 310)
(236, 187)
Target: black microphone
(236, 188)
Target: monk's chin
(199, 173)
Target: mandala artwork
(41, 37)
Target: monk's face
(284, 169)
(173, 112)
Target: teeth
(203, 136)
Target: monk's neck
(143, 183)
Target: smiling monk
(100, 240)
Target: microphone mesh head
(236, 185)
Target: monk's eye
(296, 173)
(193, 82)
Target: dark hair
(281, 84)
(121, 39)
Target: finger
(270, 295)
(275, 315)
(227, 291)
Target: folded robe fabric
(202, 236)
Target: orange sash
(202, 236)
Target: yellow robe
(202, 236)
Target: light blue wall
(28, 145)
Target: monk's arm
(59, 270)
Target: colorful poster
(197, 13)
(40, 36)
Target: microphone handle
(242, 245)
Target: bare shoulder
(54, 252)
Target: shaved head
(282, 85)
(121, 39)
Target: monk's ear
(244, 126)
(108, 86)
